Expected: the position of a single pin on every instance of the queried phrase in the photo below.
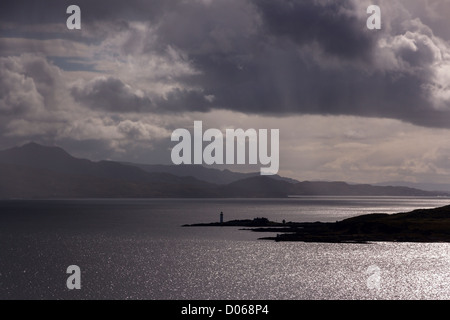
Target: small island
(421, 225)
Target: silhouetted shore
(422, 225)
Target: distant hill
(200, 172)
(36, 171)
(257, 187)
(263, 186)
(442, 187)
(345, 189)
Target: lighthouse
(221, 217)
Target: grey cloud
(36, 105)
(219, 27)
(271, 57)
(179, 99)
(54, 11)
(433, 13)
(33, 97)
(47, 19)
(27, 84)
(310, 57)
(18, 93)
(332, 24)
(110, 94)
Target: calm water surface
(137, 249)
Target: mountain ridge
(36, 171)
(200, 172)
(426, 186)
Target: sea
(139, 249)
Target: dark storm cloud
(270, 57)
(309, 57)
(283, 85)
(332, 25)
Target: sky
(351, 104)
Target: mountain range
(35, 171)
(200, 172)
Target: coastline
(421, 225)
